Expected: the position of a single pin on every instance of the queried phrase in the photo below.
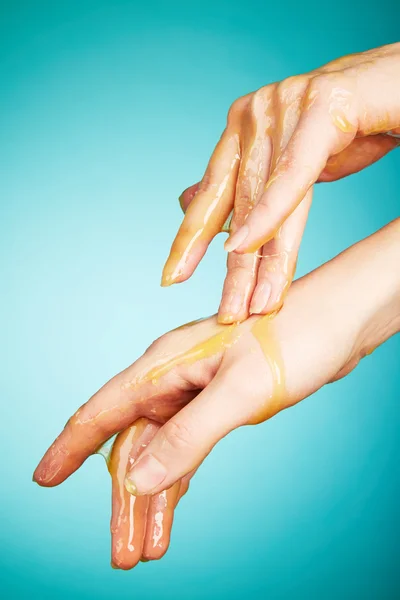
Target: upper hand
(278, 142)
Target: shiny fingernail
(235, 240)
(260, 298)
(231, 308)
(145, 476)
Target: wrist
(378, 298)
(339, 313)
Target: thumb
(186, 439)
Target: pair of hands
(202, 380)
(278, 142)
(172, 406)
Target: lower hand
(205, 379)
(140, 527)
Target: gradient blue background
(107, 111)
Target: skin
(205, 379)
(140, 527)
(279, 141)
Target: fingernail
(231, 308)
(113, 565)
(235, 240)
(226, 319)
(144, 560)
(260, 298)
(145, 476)
(166, 280)
(170, 275)
(46, 470)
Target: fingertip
(237, 239)
(181, 265)
(147, 475)
(225, 319)
(261, 296)
(166, 280)
(169, 279)
(234, 304)
(124, 564)
(45, 476)
(156, 552)
(230, 319)
(130, 487)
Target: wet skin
(140, 527)
(279, 141)
(204, 379)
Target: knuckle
(155, 345)
(323, 84)
(259, 100)
(178, 435)
(161, 343)
(233, 111)
(289, 89)
(237, 108)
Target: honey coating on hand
(274, 111)
(263, 331)
(208, 211)
(205, 349)
(120, 458)
(140, 525)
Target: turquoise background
(107, 111)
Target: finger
(160, 517)
(238, 288)
(314, 140)
(241, 275)
(278, 262)
(206, 213)
(129, 514)
(113, 408)
(184, 485)
(187, 438)
(361, 153)
(186, 198)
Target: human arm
(279, 140)
(205, 379)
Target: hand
(247, 372)
(278, 142)
(140, 527)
